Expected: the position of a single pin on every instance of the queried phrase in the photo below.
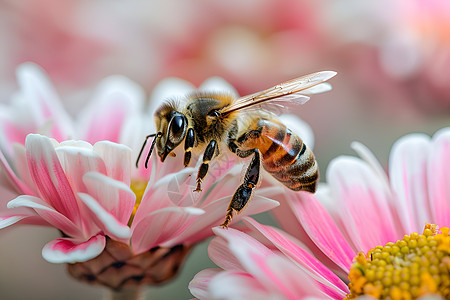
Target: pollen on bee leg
(414, 266)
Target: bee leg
(207, 156)
(188, 145)
(244, 191)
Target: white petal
(43, 102)
(361, 200)
(408, 174)
(162, 226)
(439, 177)
(369, 157)
(66, 250)
(218, 84)
(169, 88)
(116, 100)
(46, 212)
(113, 195)
(199, 284)
(8, 221)
(104, 219)
(117, 158)
(243, 287)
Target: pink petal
(13, 182)
(362, 199)
(160, 195)
(43, 102)
(255, 258)
(10, 220)
(289, 222)
(201, 228)
(439, 177)
(117, 99)
(67, 250)
(240, 243)
(117, 159)
(78, 158)
(175, 187)
(21, 168)
(15, 124)
(408, 171)
(114, 196)
(105, 220)
(49, 214)
(49, 177)
(244, 286)
(161, 226)
(222, 256)
(302, 257)
(321, 229)
(134, 134)
(16, 216)
(223, 179)
(370, 158)
(288, 279)
(215, 214)
(199, 284)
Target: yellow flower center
(416, 265)
(138, 187)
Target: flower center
(416, 265)
(138, 187)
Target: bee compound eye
(177, 126)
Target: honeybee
(247, 126)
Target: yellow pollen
(138, 187)
(414, 266)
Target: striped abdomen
(286, 157)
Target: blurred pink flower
(111, 216)
(252, 43)
(400, 54)
(365, 210)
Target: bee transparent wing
(317, 89)
(279, 105)
(288, 92)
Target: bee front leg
(244, 191)
(207, 156)
(188, 145)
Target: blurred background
(392, 59)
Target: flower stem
(131, 293)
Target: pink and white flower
(263, 263)
(369, 208)
(365, 209)
(90, 190)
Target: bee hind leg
(245, 190)
(207, 156)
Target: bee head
(172, 127)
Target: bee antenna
(151, 148)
